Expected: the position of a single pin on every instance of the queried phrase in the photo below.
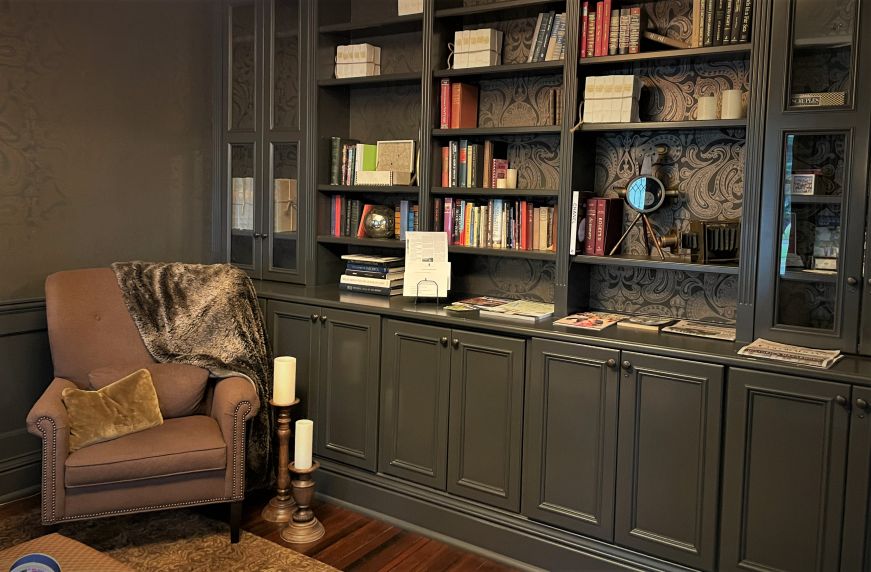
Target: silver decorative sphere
(379, 222)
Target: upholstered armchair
(196, 457)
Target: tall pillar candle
(284, 381)
(302, 450)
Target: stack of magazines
(503, 309)
(798, 355)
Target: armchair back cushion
(89, 325)
(180, 387)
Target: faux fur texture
(208, 316)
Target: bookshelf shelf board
(655, 263)
(371, 189)
(390, 25)
(507, 70)
(504, 252)
(354, 241)
(479, 192)
(815, 199)
(372, 80)
(482, 131)
(810, 276)
(709, 52)
(501, 6)
(665, 125)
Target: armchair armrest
(50, 406)
(234, 402)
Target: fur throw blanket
(207, 316)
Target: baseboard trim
(17, 471)
(490, 531)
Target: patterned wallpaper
(517, 101)
(504, 277)
(378, 113)
(287, 64)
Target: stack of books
(498, 223)
(458, 105)
(611, 99)
(356, 163)
(473, 165)
(721, 22)
(371, 274)
(604, 225)
(549, 38)
(358, 60)
(347, 217)
(607, 32)
(477, 48)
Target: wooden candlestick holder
(281, 506)
(304, 527)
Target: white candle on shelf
(284, 381)
(302, 449)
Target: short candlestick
(304, 527)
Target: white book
(366, 281)
(573, 233)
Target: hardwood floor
(353, 542)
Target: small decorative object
(733, 106)
(804, 183)
(379, 222)
(502, 183)
(285, 205)
(358, 60)
(406, 7)
(825, 99)
(706, 109)
(511, 179)
(713, 242)
(396, 156)
(281, 505)
(303, 527)
(461, 311)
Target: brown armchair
(190, 460)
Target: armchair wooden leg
(235, 520)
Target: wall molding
(22, 316)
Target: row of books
(721, 22)
(373, 274)
(347, 217)
(549, 38)
(348, 158)
(356, 163)
(608, 32)
(458, 105)
(597, 224)
(498, 223)
(473, 165)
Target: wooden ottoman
(73, 556)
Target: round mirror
(645, 194)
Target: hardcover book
(464, 106)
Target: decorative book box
(406, 7)
(285, 205)
(477, 48)
(611, 99)
(358, 60)
(243, 203)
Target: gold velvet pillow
(126, 406)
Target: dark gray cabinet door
(348, 387)
(415, 381)
(668, 458)
(784, 470)
(295, 330)
(570, 437)
(856, 547)
(485, 418)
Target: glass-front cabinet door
(815, 178)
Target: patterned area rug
(166, 541)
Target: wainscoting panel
(26, 372)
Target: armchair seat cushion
(181, 445)
(179, 386)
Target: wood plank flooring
(353, 541)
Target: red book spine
(606, 26)
(523, 207)
(445, 92)
(337, 208)
(446, 169)
(601, 212)
(598, 41)
(456, 90)
(585, 21)
(590, 231)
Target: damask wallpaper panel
(378, 113)
(106, 149)
(513, 278)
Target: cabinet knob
(612, 363)
(455, 342)
(861, 404)
(842, 401)
(323, 318)
(852, 281)
(256, 235)
(444, 341)
(627, 365)
(315, 317)
(264, 235)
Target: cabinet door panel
(570, 437)
(486, 417)
(783, 478)
(348, 387)
(856, 548)
(415, 380)
(294, 333)
(668, 458)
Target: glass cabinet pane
(812, 217)
(242, 192)
(286, 64)
(822, 53)
(285, 206)
(243, 78)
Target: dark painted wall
(106, 144)
(107, 153)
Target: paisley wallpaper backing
(505, 277)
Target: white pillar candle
(511, 179)
(733, 107)
(284, 381)
(302, 448)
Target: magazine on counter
(596, 321)
(766, 349)
(519, 310)
(702, 330)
